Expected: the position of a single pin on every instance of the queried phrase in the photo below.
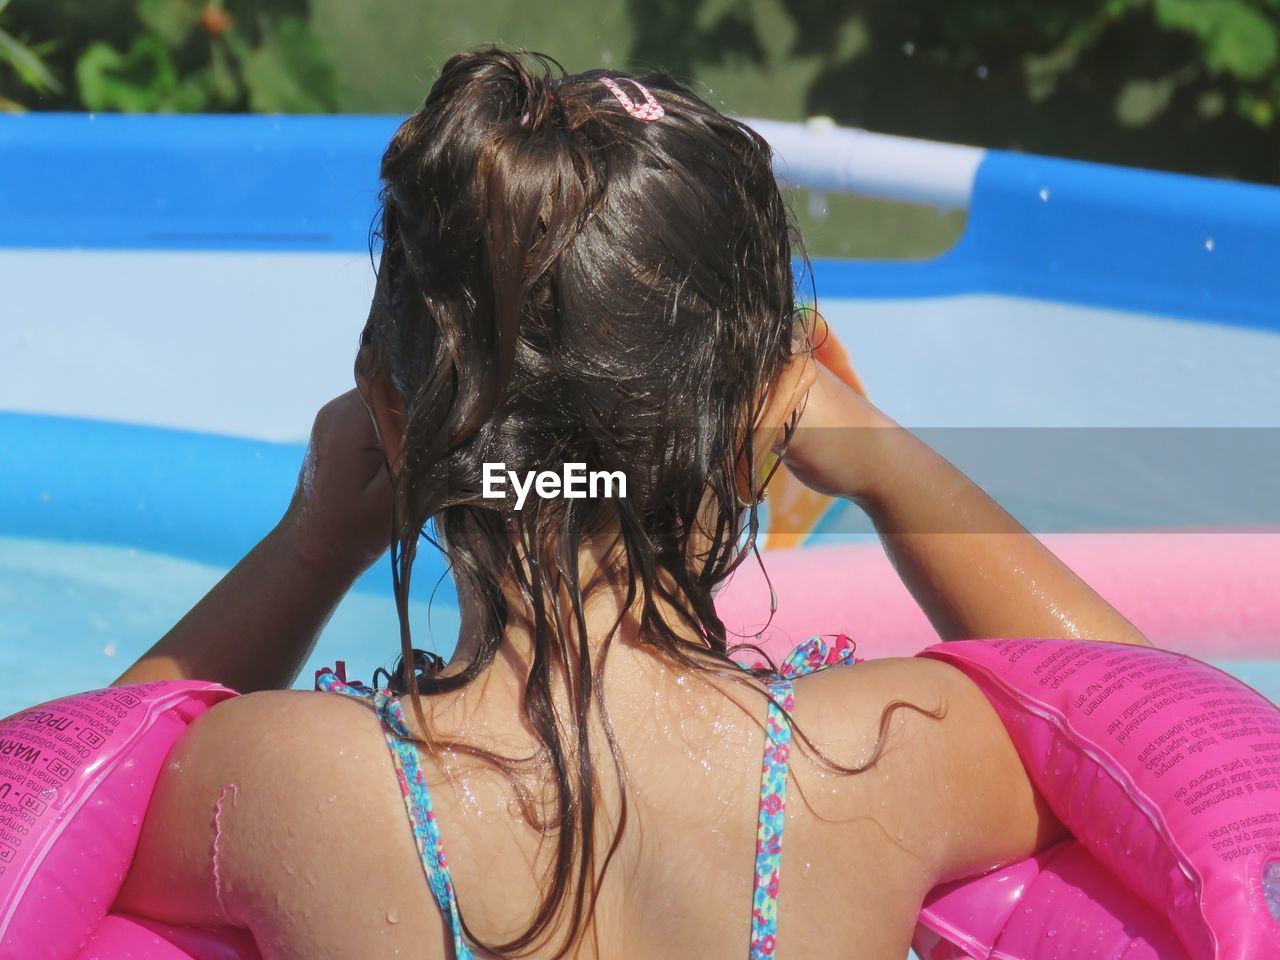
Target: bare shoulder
(939, 765)
(268, 806)
(848, 699)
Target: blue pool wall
(1052, 230)
(1038, 227)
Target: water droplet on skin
(1044, 194)
(393, 915)
(331, 798)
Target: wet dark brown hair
(561, 282)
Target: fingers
(786, 400)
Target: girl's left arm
(255, 629)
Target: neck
(606, 614)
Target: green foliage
(280, 67)
(1181, 84)
(1153, 49)
(172, 21)
(1189, 85)
(288, 72)
(1237, 38)
(1240, 41)
(26, 63)
(188, 56)
(142, 80)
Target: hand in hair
(974, 570)
(257, 626)
(831, 449)
(340, 513)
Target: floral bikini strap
(417, 798)
(809, 657)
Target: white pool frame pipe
(819, 155)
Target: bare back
(315, 857)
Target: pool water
(74, 616)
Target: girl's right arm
(962, 793)
(973, 569)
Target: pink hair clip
(651, 109)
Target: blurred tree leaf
(1044, 70)
(290, 71)
(191, 95)
(1258, 109)
(1141, 101)
(170, 20)
(680, 34)
(1211, 104)
(26, 61)
(1237, 37)
(143, 79)
(222, 75)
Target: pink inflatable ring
(1166, 771)
(76, 776)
